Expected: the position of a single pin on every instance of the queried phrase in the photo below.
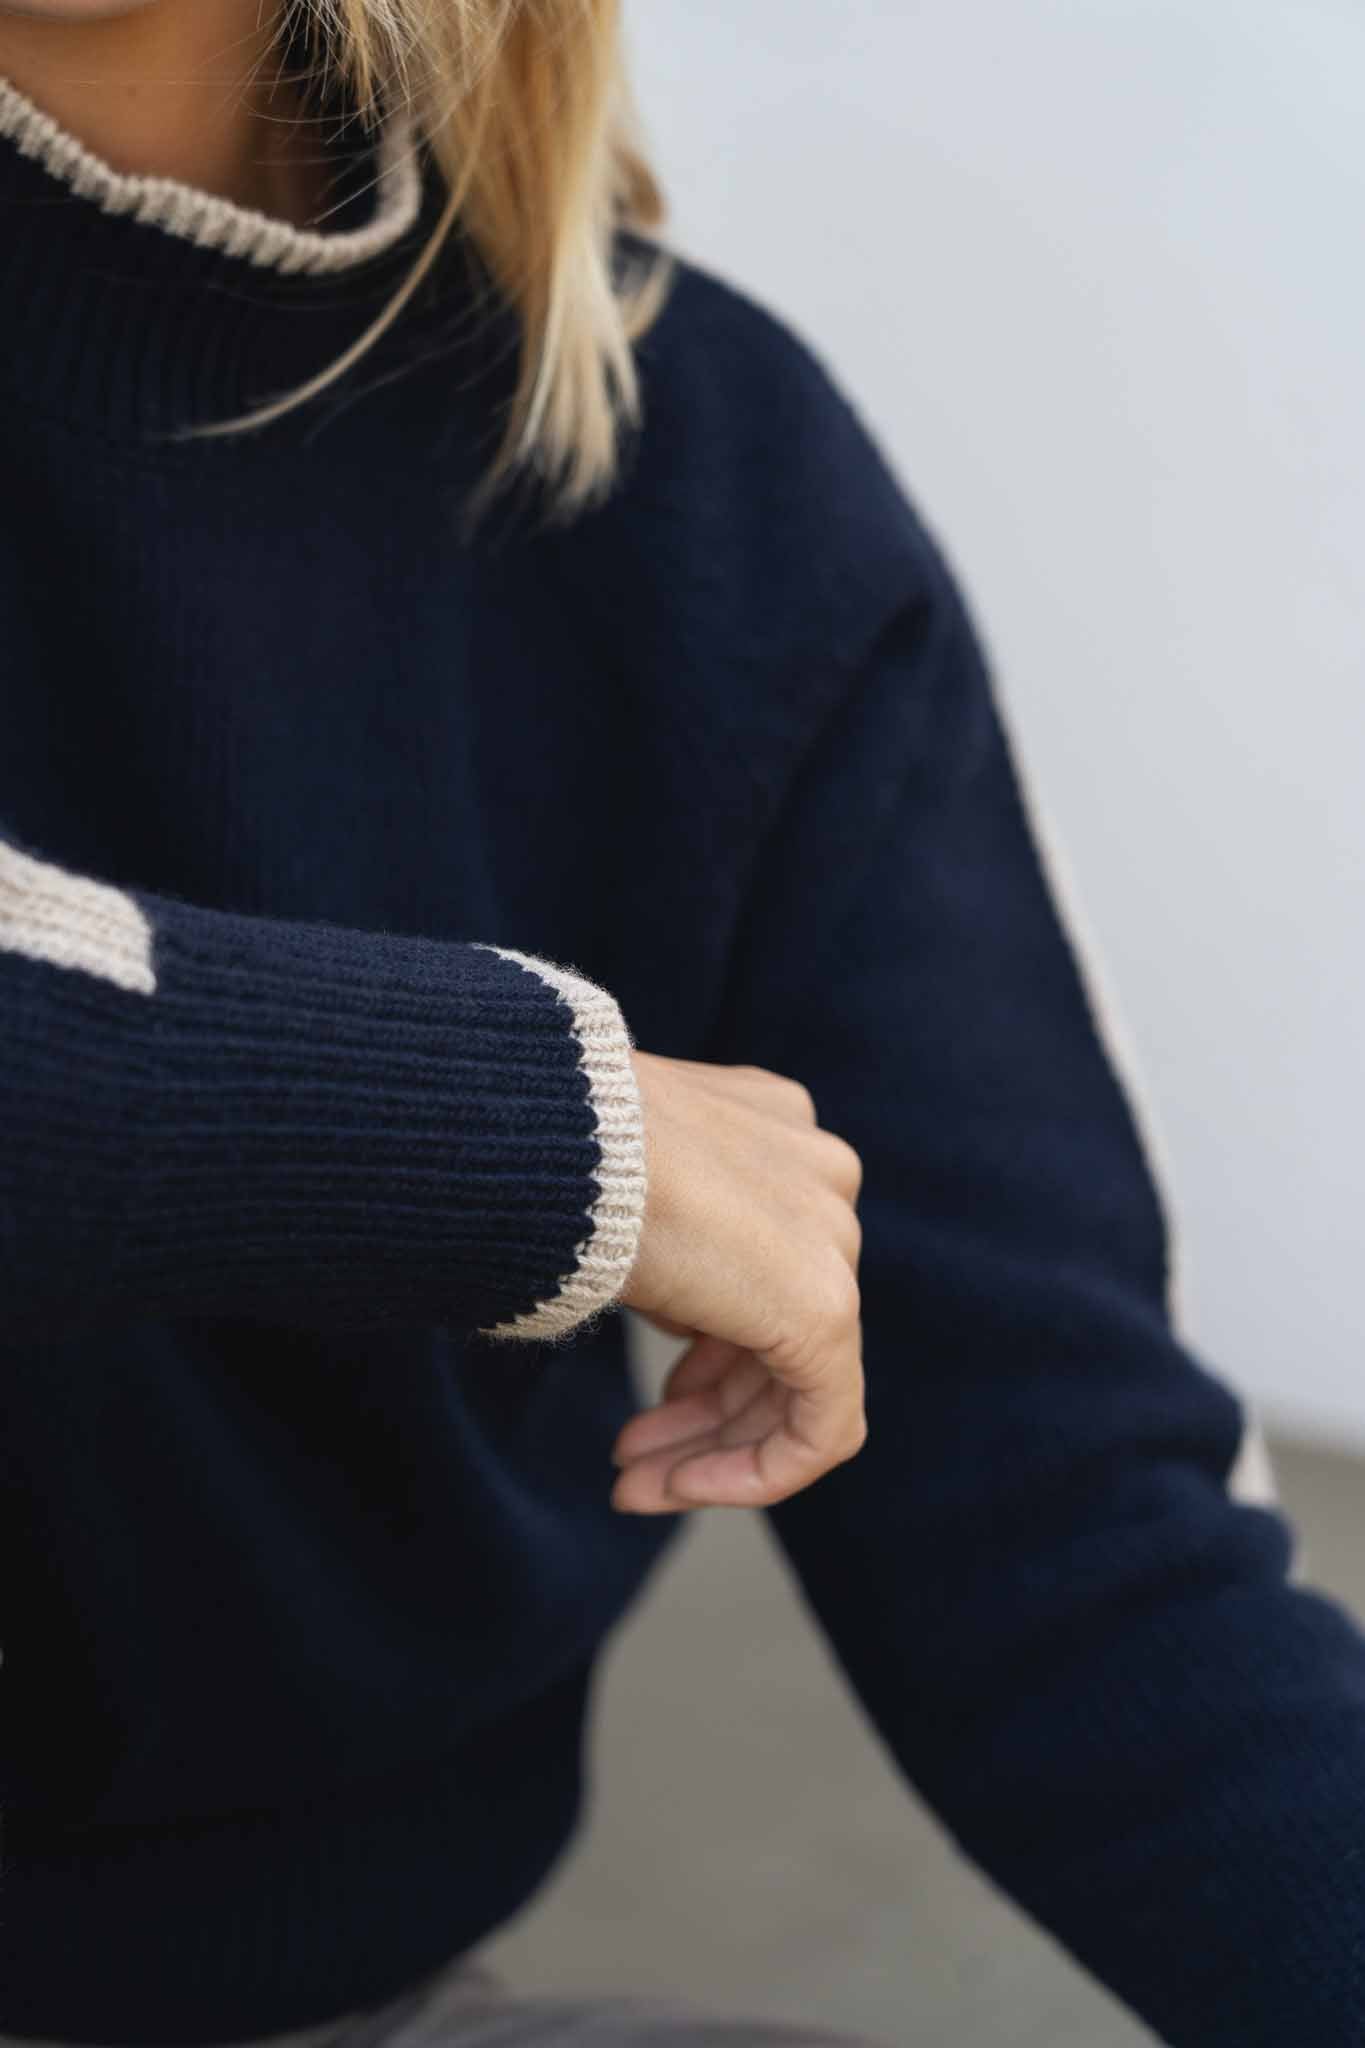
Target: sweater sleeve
(207, 1113)
(1085, 1651)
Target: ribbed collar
(132, 304)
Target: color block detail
(607, 1253)
(1251, 1478)
(49, 914)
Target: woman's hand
(750, 1246)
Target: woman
(505, 817)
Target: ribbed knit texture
(365, 1127)
(343, 864)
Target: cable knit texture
(345, 859)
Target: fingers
(812, 1436)
(690, 1414)
(711, 1384)
(750, 1248)
(753, 1461)
(719, 1478)
(747, 1441)
(645, 1485)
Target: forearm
(206, 1112)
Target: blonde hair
(527, 111)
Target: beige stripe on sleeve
(68, 920)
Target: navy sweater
(344, 857)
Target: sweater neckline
(389, 206)
(134, 305)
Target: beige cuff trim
(47, 913)
(606, 1255)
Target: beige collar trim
(214, 223)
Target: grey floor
(748, 1844)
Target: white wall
(1092, 270)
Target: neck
(185, 89)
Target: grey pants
(466, 2005)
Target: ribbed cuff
(606, 1254)
(368, 1129)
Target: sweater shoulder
(716, 343)
(734, 586)
(756, 469)
(714, 335)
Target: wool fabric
(347, 856)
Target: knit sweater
(346, 854)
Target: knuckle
(856, 1439)
(821, 1312)
(852, 1234)
(800, 1097)
(836, 1298)
(846, 1164)
(796, 1093)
